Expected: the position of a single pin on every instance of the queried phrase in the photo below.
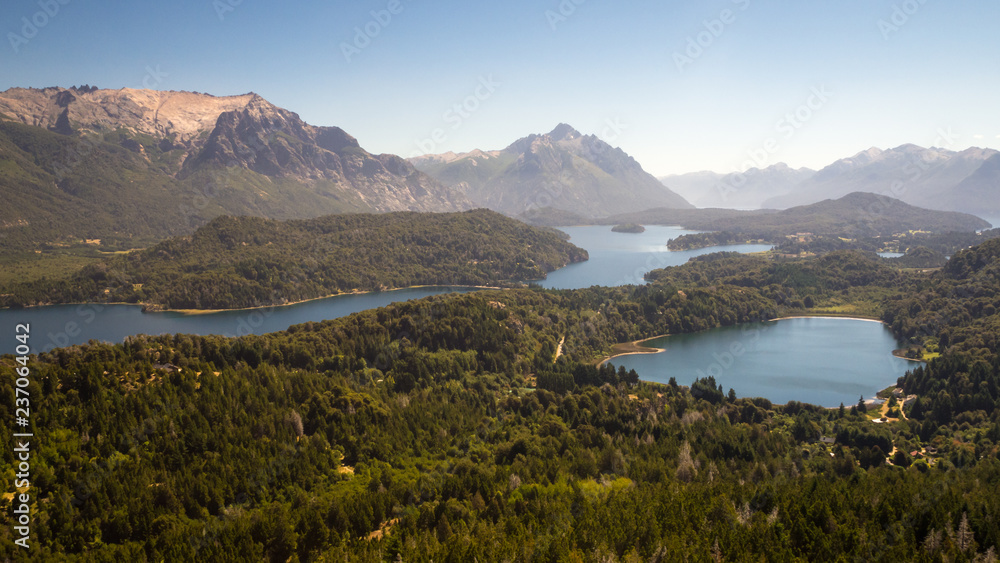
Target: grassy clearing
(860, 309)
(30, 267)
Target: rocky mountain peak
(563, 170)
(184, 116)
(188, 157)
(564, 132)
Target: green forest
(854, 215)
(452, 429)
(628, 228)
(242, 262)
(940, 244)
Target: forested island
(412, 432)
(241, 262)
(628, 228)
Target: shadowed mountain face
(274, 142)
(932, 178)
(127, 165)
(562, 170)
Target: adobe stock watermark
(265, 477)
(787, 126)
(901, 14)
(563, 12)
(422, 321)
(255, 317)
(364, 35)
(612, 130)
(75, 155)
(700, 42)
(728, 357)
(193, 215)
(457, 115)
(32, 25)
(154, 77)
(223, 7)
(100, 470)
(911, 171)
(86, 313)
(77, 152)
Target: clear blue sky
(936, 69)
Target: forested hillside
(239, 262)
(411, 432)
(852, 215)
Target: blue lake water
(615, 259)
(62, 325)
(624, 258)
(821, 361)
(824, 361)
(995, 221)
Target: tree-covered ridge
(920, 257)
(628, 228)
(238, 262)
(804, 244)
(717, 238)
(940, 243)
(408, 431)
(843, 278)
(853, 215)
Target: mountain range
(933, 178)
(737, 191)
(126, 168)
(562, 170)
(133, 166)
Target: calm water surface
(63, 325)
(624, 258)
(824, 361)
(615, 259)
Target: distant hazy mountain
(748, 190)
(124, 165)
(932, 178)
(981, 188)
(855, 214)
(562, 170)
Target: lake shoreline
(897, 352)
(637, 347)
(829, 316)
(630, 348)
(196, 312)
